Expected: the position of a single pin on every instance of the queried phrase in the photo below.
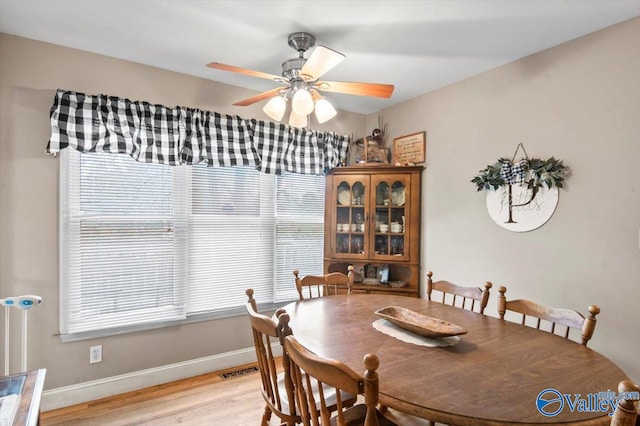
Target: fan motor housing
(291, 68)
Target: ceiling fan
(301, 82)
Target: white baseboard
(109, 386)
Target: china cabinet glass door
(390, 192)
(351, 216)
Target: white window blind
(230, 237)
(145, 244)
(121, 238)
(299, 230)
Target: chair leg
(266, 416)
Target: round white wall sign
(518, 209)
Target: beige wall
(30, 72)
(578, 102)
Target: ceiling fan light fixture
(276, 107)
(324, 110)
(300, 79)
(297, 120)
(302, 102)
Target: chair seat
(355, 416)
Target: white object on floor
(23, 303)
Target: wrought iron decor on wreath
(522, 195)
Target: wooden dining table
(492, 376)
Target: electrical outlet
(95, 354)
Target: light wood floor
(198, 401)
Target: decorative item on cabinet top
(410, 149)
(372, 149)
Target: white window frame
(283, 288)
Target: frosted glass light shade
(275, 108)
(324, 110)
(297, 120)
(302, 102)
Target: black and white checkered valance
(157, 134)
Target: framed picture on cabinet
(410, 149)
(370, 271)
(383, 274)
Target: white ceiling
(418, 46)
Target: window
(143, 245)
(299, 230)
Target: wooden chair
(626, 413)
(322, 285)
(555, 316)
(277, 389)
(470, 298)
(277, 386)
(311, 373)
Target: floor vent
(239, 373)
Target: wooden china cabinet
(372, 221)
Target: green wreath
(537, 173)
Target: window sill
(209, 316)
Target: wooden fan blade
(259, 97)
(321, 60)
(361, 89)
(224, 67)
